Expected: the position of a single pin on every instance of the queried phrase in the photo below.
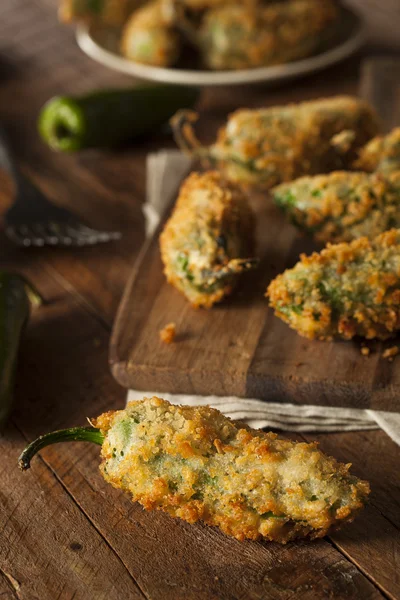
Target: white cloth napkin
(165, 170)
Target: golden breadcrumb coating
(199, 6)
(342, 206)
(242, 36)
(267, 146)
(196, 464)
(110, 12)
(149, 36)
(345, 290)
(380, 154)
(208, 240)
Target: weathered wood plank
(374, 540)
(168, 558)
(380, 85)
(63, 372)
(373, 544)
(43, 405)
(48, 548)
(239, 348)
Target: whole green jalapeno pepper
(107, 117)
(16, 298)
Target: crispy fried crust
(265, 147)
(201, 5)
(380, 154)
(196, 464)
(211, 225)
(110, 12)
(244, 36)
(149, 37)
(346, 290)
(342, 206)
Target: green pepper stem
(182, 127)
(75, 434)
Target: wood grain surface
(64, 533)
(239, 347)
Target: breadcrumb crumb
(391, 352)
(365, 351)
(168, 333)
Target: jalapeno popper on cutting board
(198, 465)
(265, 147)
(241, 36)
(208, 240)
(381, 154)
(342, 206)
(346, 290)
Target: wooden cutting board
(239, 347)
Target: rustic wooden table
(63, 532)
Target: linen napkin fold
(165, 170)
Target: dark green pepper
(16, 297)
(74, 434)
(106, 118)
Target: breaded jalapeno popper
(346, 290)
(342, 206)
(381, 154)
(149, 36)
(198, 465)
(110, 12)
(208, 240)
(267, 146)
(242, 36)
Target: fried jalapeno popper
(242, 37)
(208, 240)
(109, 12)
(265, 147)
(342, 206)
(196, 464)
(381, 154)
(346, 290)
(149, 36)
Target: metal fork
(34, 221)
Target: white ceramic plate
(101, 44)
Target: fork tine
(81, 235)
(58, 234)
(23, 236)
(33, 220)
(41, 230)
(97, 236)
(105, 236)
(41, 234)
